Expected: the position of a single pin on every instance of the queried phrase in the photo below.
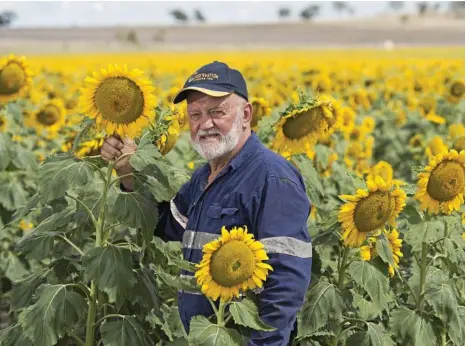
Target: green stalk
(422, 280)
(99, 228)
(221, 314)
(342, 269)
(444, 336)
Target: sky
(126, 13)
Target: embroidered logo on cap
(202, 76)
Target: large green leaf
(411, 328)
(123, 332)
(24, 159)
(13, 195)
(456, 327)
(61, 172)
(185, 283)
(37, 245)
(428, 232)
(57, 311)
(366, 310)
(324, 303)
(11, 266)
(23, 290)
(245, 313)
(169, 322)
(372, 281)
(137, 209)
(433, 275)
(147, 154)
(441, 296)
(205, 333)
(145, 289)
(377, 336)
(311, 177)
(14, 336)
(111, 268)
(26, 209)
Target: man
(243, 183)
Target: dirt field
(383, 32)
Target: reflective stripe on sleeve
(287, 246)
(180, 218)
(197, 240)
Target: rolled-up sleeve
(278, 211)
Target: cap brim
(181, 95)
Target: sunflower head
(261, 108)
(456, 91)
(15, 77)
(50, 116)
(370, 210)
(120, 100)
(441, 184)
(232, 264)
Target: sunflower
(456, 91)
(90, 147)
(435, 147)
(306, 122)
(395, 245)
(416, 141)
(261, 108)
(385, 170)
(167, 141)
(15, 77)
(456, 135)
(50, 116)
(369, 210)
(441, 184)
(121, 101)
(231, 264)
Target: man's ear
(248, 113)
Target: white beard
(228, 142)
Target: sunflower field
(379, 139)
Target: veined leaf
(377, 336)
(146, 154)
(367, 310)
(245, 313)
(310, 175)
(411, 328)
(433, 276)
(372, 281)
(185, 283)
(57, 311)
(325, 302)
(23, 290)
(137, 209)
(123, 332)
(205, 333)
(61, 172)
(26, 209)
(11, 266)
(411, 214)
(384, 250)
(111, 268)
(443, 299)
(14, 336)
(169, 321)
(37, 245)
(428, 231)
(24, 159)
(455, 328)
(145, 289)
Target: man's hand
(112, 149)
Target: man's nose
(207, 124)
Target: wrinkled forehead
(203, 101)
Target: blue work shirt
(263, 191)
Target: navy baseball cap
(215, 79)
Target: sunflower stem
(342, 269)
(444, 336)
(221, 313)
(422, 280)
(99, 228)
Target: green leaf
(433, 276)
(411, 214)
(372, 281)
(245, 313)
(146, 154)
(377, 336)
(26, 209)
(441, 296)
(169, 322)
(13, 194)
(205, 333)
(23, 290)
(312, 181)
(411, 328)
(145, 290)
(428, 232)
(37, 245)
(11, 266)
(455, 328)
(367, 310)
(137, 209)
(185, 283)
(384, 250)
(61, 172)
(111, 268)
(14, 336)
(126, 331)
(322, 154)
(5, 145)
(324, 303)
(25, 159)
(57, 311)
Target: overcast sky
(111, 13)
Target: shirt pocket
(222, 216)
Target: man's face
(215, 123)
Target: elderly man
(243, 183)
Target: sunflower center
(48, 115)
(457, 89)
(446, 181)
(119, 100)
(302, 124)
(373, 211)
(232, 264)
(12, 79)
